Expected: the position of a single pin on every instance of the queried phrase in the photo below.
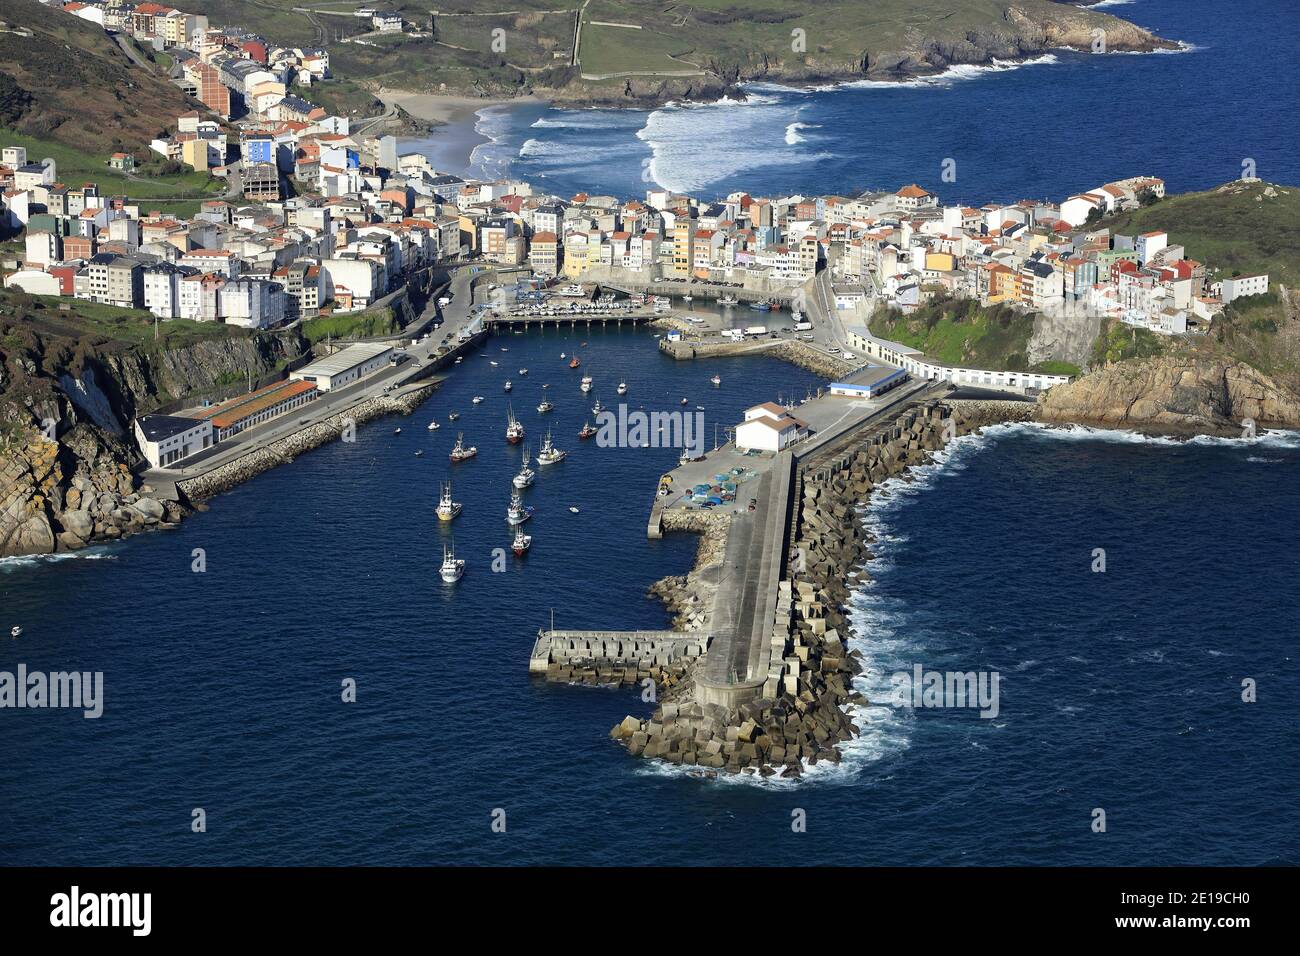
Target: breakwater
(803, 717)
(283, 450)
(796, 353)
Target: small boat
(420, 453)
(550, 455)
(15, 632)
(460, 452)
(523, 371)
(447, 509)
(526, 475)
(684, 402)
(492, 363)
(517, 512)
(586, 383)
(453, 568)
(504, 349)
(397, 431)
(716, 380)
(434, 426)
(514, 428)
(573, 362)
(622, 388)
(727, 300)
(597, 408)
(459, 359)
(761, 306)
(563, 356)
(522, 543)
(509, 385)
(545, 407)
(587, 431)
(684, 458)
(453, 416)
(573, 508)
(477, 400)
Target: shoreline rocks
(810, 717)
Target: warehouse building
(168, 439)
(233, 416)
(346, 366)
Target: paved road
(456, 317)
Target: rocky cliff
(1174, 393)
(66, 403)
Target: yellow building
(940, 261)
(682, 247)
(575, 254)
(194, 153)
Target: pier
(613, 657)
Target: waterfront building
(166, 440)
(244, 411)
(346, 366)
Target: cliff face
(1174, 393)
(66, 452)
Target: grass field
(76, 318)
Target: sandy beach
(450, 145)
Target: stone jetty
(805, 715)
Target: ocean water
(1054, 125)
(222, 689)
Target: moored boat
(447, 509)
(460, 452)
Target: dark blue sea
(1119, 690)
(1044, 129)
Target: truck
(803, 326)
(756, 330)
(735, 334)
(444, 302)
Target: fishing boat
(763, 306)
(434, 426)
(514, 428)
(477, 399)
(522, 543)
(509, 385)
(453, 416)
(447, 509)
(16, 632)
(526, 475)
(550, 455)
(586, 383)
(588, 429)
(460, 452)
(517, 512)
(453, 568)
(597, 408)
(571, 291)
(573, 362)
(727, 300)
(716, 380)
(545, 407)
(622, 388)
(523, 371)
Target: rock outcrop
(1174, 393)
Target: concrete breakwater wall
(796, 353)
(286, 449)
(808, 718)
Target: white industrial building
(346, 366)
(167, 439)
(769, 427)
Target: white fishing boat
(15, 632)
(622, 388)
(526, 475)
(453, 568)
(518, 512)
(453, 416)
(447, 509)
(597, 408)
(460, 452)
(509, 385)
(716, 380)
(523, 371)
(571, 291)
(563, 356)
(434, 426)
(477, 399)
(727, 300)
(550, 455)
(586, 383)
(545, 407)
(522, 543)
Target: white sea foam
(98, 553)
(793, 137)
(955, 73)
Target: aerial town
(317, 220)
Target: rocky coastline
(812, 716)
